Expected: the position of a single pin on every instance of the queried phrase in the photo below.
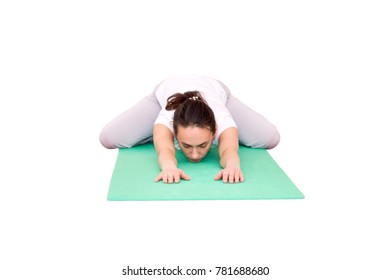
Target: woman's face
(194, 141)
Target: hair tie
(194, 97)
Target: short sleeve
(165, 118)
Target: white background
(319, 70)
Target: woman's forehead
(193, 135)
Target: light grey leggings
(135, 125)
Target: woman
(191, 113)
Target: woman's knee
(268, 141)
(274, 140)
(106, 139)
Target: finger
(231, 177)
(184, 175)
(237, 178)
(158, 178)
(225, 176)
(170, 178)
(242, 177)
(165, 178)
(219, 176)
(177, 177)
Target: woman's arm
(229, 158)
(166, 152)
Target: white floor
(320, 72)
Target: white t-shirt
(209, 88)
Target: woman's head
(194, 123)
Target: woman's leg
(132, 127)
(254, 130)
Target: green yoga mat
(136, 168)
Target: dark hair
(191, 109)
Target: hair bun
(175, 100)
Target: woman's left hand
(230, 175)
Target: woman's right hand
(172, 175)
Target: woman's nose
(195, 154)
